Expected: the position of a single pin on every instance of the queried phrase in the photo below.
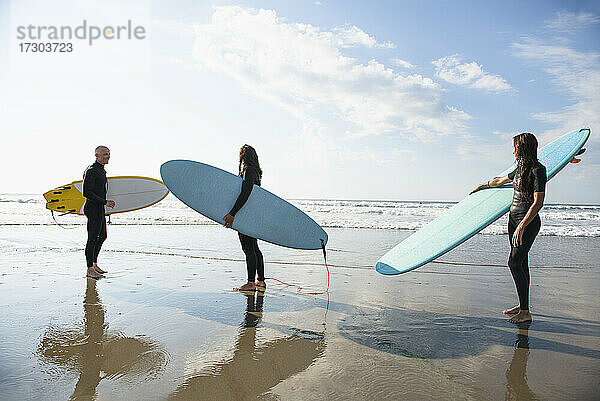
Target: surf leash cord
(299, 288)
(60, 225)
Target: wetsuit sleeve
(250, 177)
(89, 183)
(511, 175)
(539, 179)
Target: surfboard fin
(575, 159)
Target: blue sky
(342, 99)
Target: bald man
(94, 191)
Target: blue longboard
(212, 192)
(474, 213)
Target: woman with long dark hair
(529, 181)
(251, 173)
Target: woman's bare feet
(512, 311)
(98, 269)
(521, 317)
(91, 272)
(249, 286)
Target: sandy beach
(164, 323)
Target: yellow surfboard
(129, 193)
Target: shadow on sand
(423, 334)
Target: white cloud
(452, 70)
(565, 21)
(351, 36)
(402, 63)
(577, 74)
(301, 68)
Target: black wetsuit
(255, 264)
(518, 261)
(94, 190)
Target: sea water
(564, 220)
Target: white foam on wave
(22, 199)
(557, 220)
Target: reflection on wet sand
(97, 353)
(423, 334)
(516, 375)
(253, 369)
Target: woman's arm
(240, 201)
(250, 178)
(538, 202)
(496, 182)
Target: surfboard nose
(384, 268)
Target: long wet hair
(248, 157)
(526, 154)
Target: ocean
(563, 220)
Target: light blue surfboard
(212, 192)
(473, 213)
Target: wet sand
(164, 324)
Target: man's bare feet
(249, 286)
(98, 269)
(91, 272)
(521, 317)
(512, 311)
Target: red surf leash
(299, 290)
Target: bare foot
(91, 272)
(521, 317)
(98, 269)
(512, 311)
(246, 287)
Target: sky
(386, 100)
